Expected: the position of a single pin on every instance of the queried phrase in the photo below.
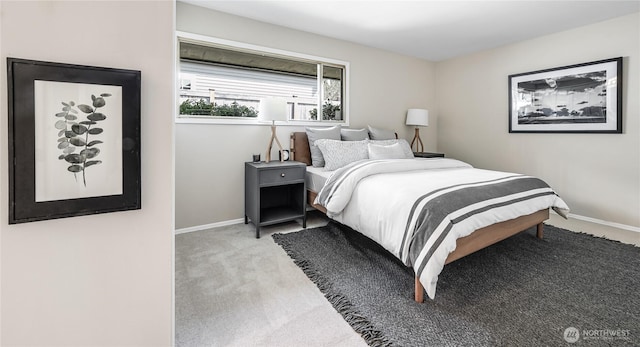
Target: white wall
(102, 279)
(597, 174)
(210, 158)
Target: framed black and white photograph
(283, 155)
(74, 140)
(582, 98)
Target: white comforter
(377, 197)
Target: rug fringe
(373, 336)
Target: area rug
(567, 288)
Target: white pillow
(406, 148)
(393, 151)
(340, 153)
(314, 134)
(381, 134)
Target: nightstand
(274, 192)
(428, 155)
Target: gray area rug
(568, 287)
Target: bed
(410, 222)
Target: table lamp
(419, 118)
(273, 109)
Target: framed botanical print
(74, 140)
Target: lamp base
(273, 137)
(419, 145)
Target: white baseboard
(603, 222)
(209, 226)
(571, 215)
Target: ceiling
(432, 30)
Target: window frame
(182, 36)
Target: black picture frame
(285, 153)
(81, 156)
(581, 98)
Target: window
(224, 81)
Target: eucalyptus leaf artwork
(76, 138)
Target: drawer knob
(282, 174)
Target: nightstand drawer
(428, 155)
(281, 175)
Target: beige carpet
(235, 290)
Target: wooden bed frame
(477, 240)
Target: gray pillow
(313, 134)
(406, 148)
(354, 134)
(381, 134)
(340, 153)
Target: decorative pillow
(406, 148)
(340, 153)
(313, 134)
(354, 134)
(393, 151)
(381, 134)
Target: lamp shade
(273, 109)
(418, 117)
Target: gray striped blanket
(425, 225)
